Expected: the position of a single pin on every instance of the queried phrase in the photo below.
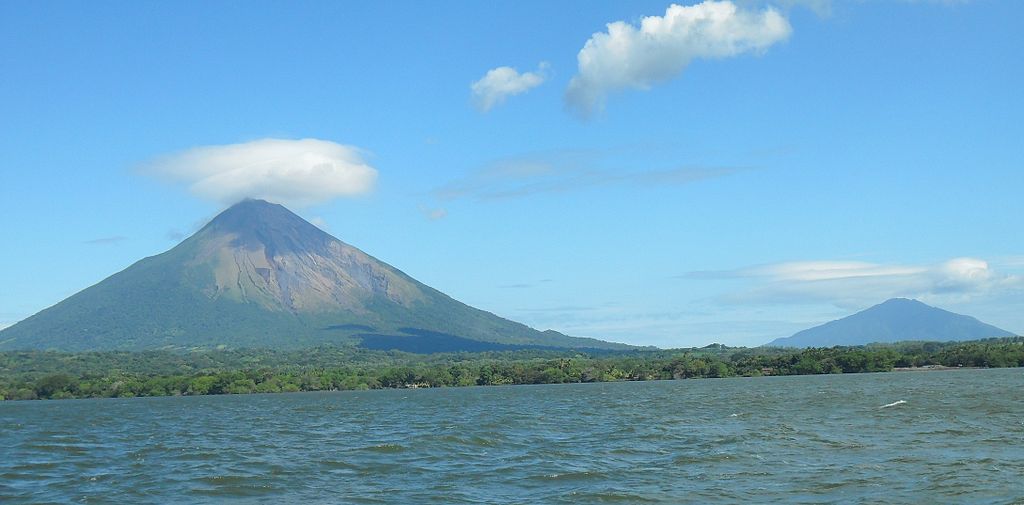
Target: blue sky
(661, 181)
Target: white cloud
(627, 56)
(854, 284)
(500, 83)
(294, 172)
(831, 270)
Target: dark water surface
(958, 438)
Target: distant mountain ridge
(258, 275)
(894, 320)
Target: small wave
(344, 465)
(893, 404)
(384, 448)
(69, 448)
(579, 475)
(233, 491)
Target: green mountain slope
(260, 276)
(898, 319)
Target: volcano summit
(258, 275)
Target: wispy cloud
(661, 47)
(664, 326)
(941, 2)
(559, 309)
(854, 283)
(177, 235)
(433, 213)
(811, 271)
(822, 8)
(117, 239)
(319, 222)
(1013, 261)
(500, 83)
(294, 172)
(8, 319)
(564, 171)
(525, 285)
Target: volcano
(259, 276)
(894, 320)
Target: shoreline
(934, 368)
(28, 376)
(926, 368)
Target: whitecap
(893, 404)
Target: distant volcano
(258, 275)
(895, 320)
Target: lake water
(958, 438)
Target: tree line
(51, 375)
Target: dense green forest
(45, 375)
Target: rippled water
(958, 438)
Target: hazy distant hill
(892, 321)
(259, 276)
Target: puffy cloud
(295, 172)
(854, 283)
(627, 56)
(500, 83)
(966, 274)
